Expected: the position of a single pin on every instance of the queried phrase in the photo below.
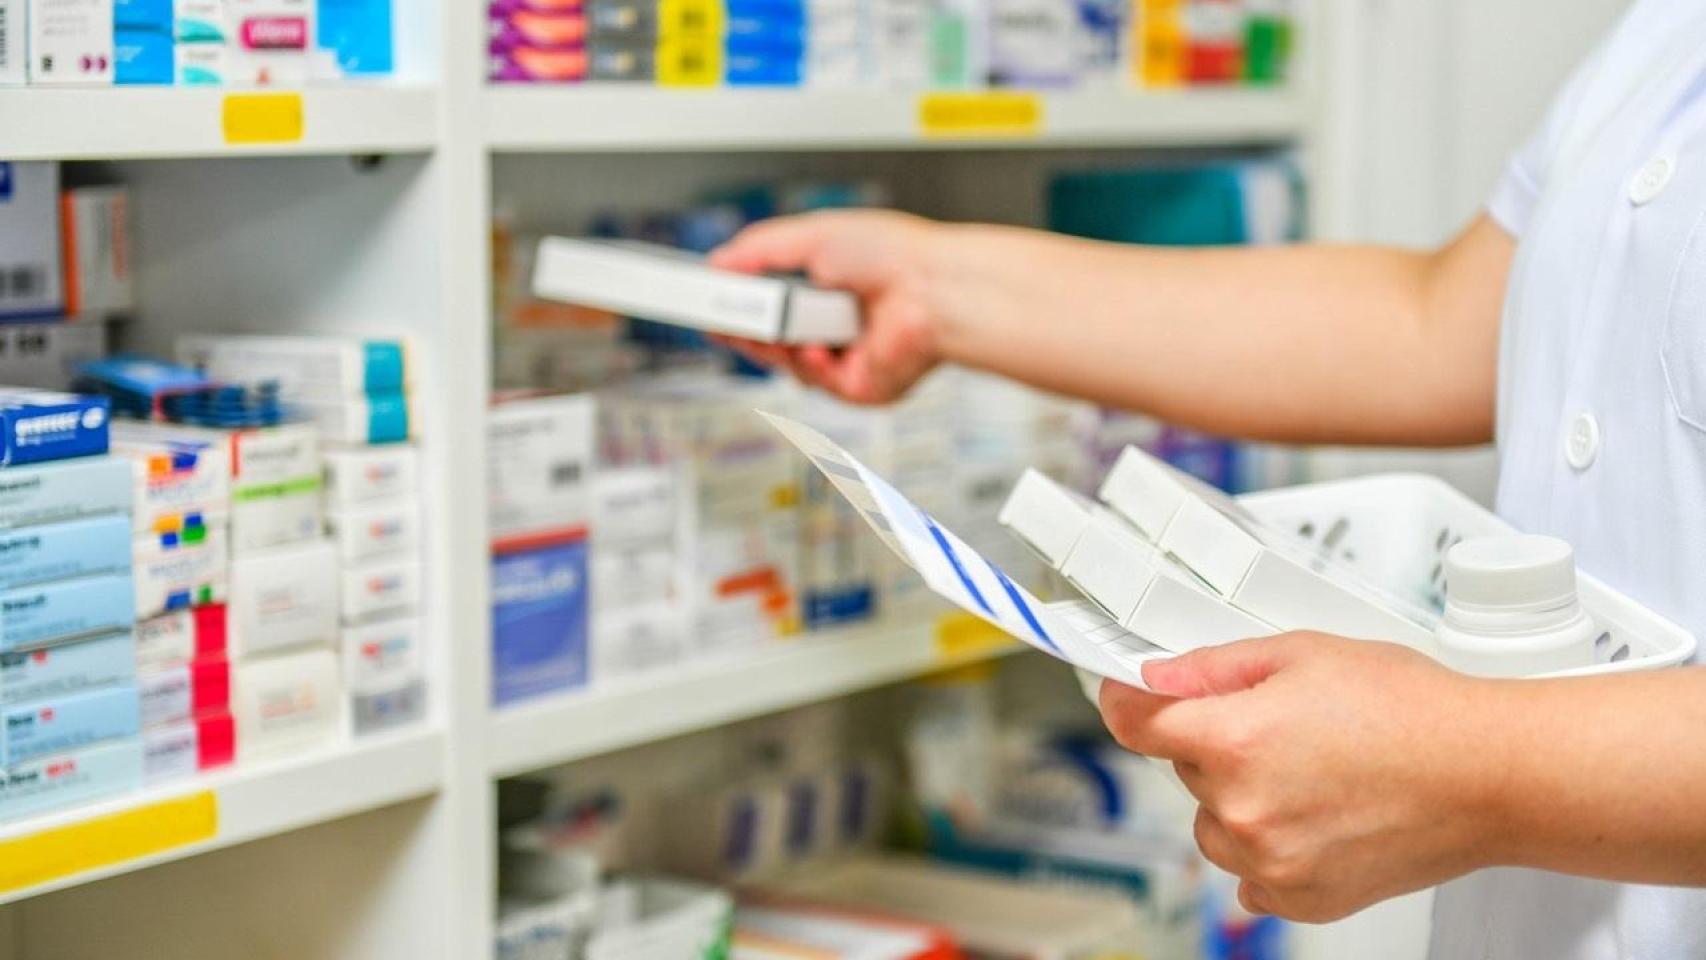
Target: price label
(991, 114)
(250, 119)
(105, 841)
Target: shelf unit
(42, 854)
(236, 246)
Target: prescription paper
(1075, 631)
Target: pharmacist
(1566, 818)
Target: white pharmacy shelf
(48, 123)
(522, 118)
(71, 847)
(815, 667)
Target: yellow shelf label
(960, 636)
(990, 114)
(260, 118)
(105, 841)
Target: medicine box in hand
(669, 286)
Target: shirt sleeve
(1513, 199)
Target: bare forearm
(1313, 344)
(1582, 783)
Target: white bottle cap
(1517, 572)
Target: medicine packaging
(180, 569)
(175, 481)
(67, 668)
(61, 780)
(381, 588)
(666, 285)
(60, 551)
(539, 467)
(371, 419)
(38, 425)
(63, 490)
(285, 703)
(178, 694)
(382, 656)
(376, 530)
(357, 33)
(43, 355)
(539, 621)
(1251, 566)
(13, 70)
(71, 42)
(29, 239)
(282, 598)
(177, 638)
(176, 750)
(95, 239)
(318, 368)
(360, 475)
(636, 639)
(46, 613)
(385, 709)
(70, 722)
(270, 42)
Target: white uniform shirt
(1602, 420)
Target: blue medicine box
(38, 425)
(67, 668)
(65, 610)
(40, 727)
(539, 621)
(63, 779)
(60, 551)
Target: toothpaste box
(71, 722)
(13, 33)
(65, 490)
(62, 780)
(71, 42)
(318, 368)
(374, 531)
(61, 551)
(539, 621)
(177, 750)
(29, 241)
(381, 588)
(365, 474)
(286, 704)
(271, 42)
(177, 694)
(540, 458)
(37, 425)
(283, 598)
(95, 233)
(66, 610)
(199, 22)
(202, 65)
(67, 668)
(179, 569)
(176, 639)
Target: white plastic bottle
(1511, 608)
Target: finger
(785, 243)
(1148, 723)
(1255, 898)
(1217, 844)
(1217, 671)
(764, 354)
(1195, 782)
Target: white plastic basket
(1394, 530)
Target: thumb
(1217, 671)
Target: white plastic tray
(1394, 529)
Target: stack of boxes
(623, 40)
(540, 454)
(180, 523)
(638, 621)
(70, 713)
(690, 43)
(357, 519)
(241, 43)
(537, 41)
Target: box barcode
(24, 282)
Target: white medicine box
(31, 276)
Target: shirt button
(1581, 445)
(1651, 179)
